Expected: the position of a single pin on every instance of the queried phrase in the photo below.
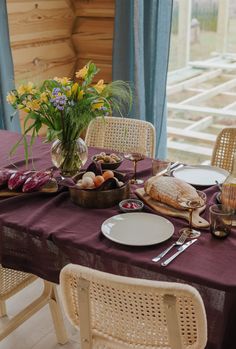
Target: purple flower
(58, 101)
(55, 91)
(59, 107)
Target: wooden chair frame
(11, 282)
(118, 312)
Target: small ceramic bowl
(109, 165)
(131, 205)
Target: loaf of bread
(170, 191)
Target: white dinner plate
(137, 229)
(201, 175)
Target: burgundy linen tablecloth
(40, 233)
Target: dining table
(42, 232)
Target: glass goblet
(191, 205)
(135, 158)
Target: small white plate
(201, 175)
(137, 229)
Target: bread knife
(180, 250)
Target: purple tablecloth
(42, 232)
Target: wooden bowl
(90, 198)
(108, 165)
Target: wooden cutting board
(50, 187)
(198, 222)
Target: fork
(179, 242)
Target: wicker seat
(118, 312)
(224, 149)
(13, 281)
(122, 134)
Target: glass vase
(69, 157)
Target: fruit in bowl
(106, 180)
(108, 161)
(99, 189)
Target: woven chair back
(122, 135)
(224, 149)
(116, 312)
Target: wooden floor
(38, 331)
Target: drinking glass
(135, 157)
(220, 221)
(191, 205)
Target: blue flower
(55, 91)
(58, 101)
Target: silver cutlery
(167, 171)
(180, 250)
(173, 167)
(174, 164)
(179, 242)
(177, 167)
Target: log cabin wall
(57, 37)
(93, 34)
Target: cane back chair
(224, 149)
(117, 312)
(13, 281)
(122, 134)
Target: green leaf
(15, 146)
(26, 151)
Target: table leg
(48, 296)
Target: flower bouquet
(66, 108)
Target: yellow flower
(26, 89)
(43, 97)
(11, 98)
(97, 105)
(64, 81)
(99, 87)
(68, 91)
(27, 110)
(20, 106)
(80, 95)
(33, 105)
(82, 73)
(74, 88)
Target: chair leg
(57, 316)
(3, 310)
(47, 297)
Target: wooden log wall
(93, 34)
(57, 37)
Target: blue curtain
(140, 56)
(6, 74)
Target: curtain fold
(140, 55)
(6, 74)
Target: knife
(180, 250)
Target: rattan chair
(13, 281)
(224, 149)
(116, 312)
(122, 134)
